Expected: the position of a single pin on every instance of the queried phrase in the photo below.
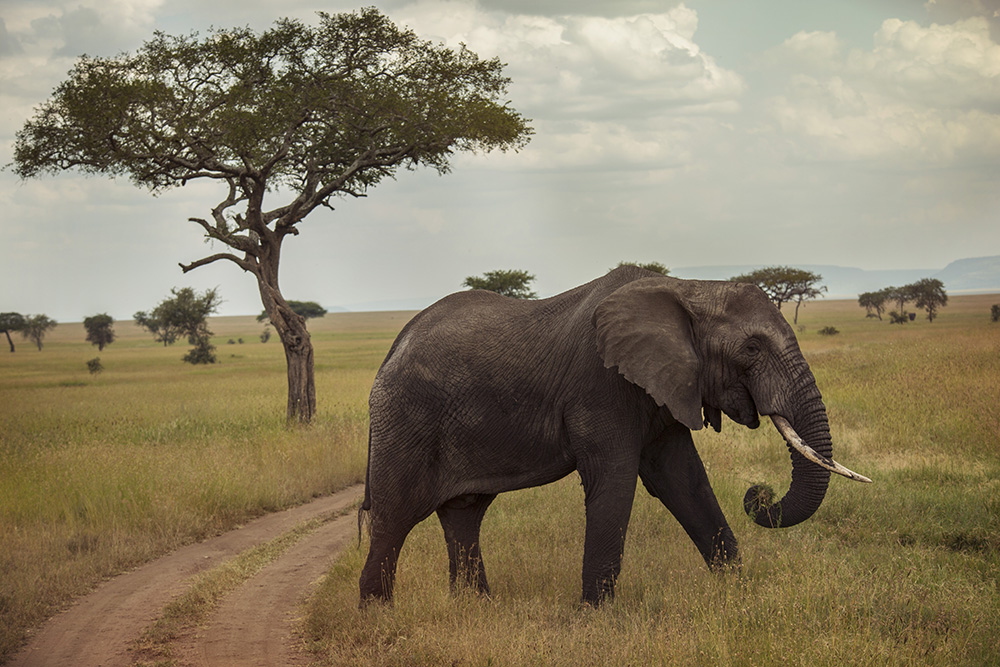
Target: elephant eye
(752, 348)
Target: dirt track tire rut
(254, 622)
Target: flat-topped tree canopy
(296, 113)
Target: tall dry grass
(101, 472)
(904, 571)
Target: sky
(860, 133)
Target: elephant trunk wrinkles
(809, 481)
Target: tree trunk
(301, 382)
(291, 329)
(9, 341)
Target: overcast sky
(858, 133)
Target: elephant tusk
(793, 439)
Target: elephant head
(703, 348)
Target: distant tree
(782, 284)
(99, 330)
(655, 267)
(307, 309)
(513, 283)
(11, 322)
(297, 113)
(995, 312)
(929, 294)
(185, 313)
(900, 295)
(35, 327)
(95, 366)
(874, 302)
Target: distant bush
(203, 352)
(995, 312)
(899, 318)
(94, 366)
(828, 331)
(231, 342)
(265, 335)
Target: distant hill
(977, 274)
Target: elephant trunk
(811, 467)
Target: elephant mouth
(794, 441)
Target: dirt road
(253, 626)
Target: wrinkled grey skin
(482, 394)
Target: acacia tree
(35, 327)
(784, 284)
(307, 309)
(100, 331)
(11, 322)
(874, 302)
(929, 294)
(508, 282)
(296, 112)
(184, 313)
(655, 267)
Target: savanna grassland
(99, 473)
(899, 572)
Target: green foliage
(35, 327)
(929, 294)
(203, 352)
(306, 112)
(508, 282)
(828, 331)
(995, 312)
(95, 366)
(11, 322)
(655, 267)
(874, 302)
(783, 284)
(926, 293)
(184, 313)
(307, 309)
(100, 331)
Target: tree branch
(244, 264)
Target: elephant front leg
(672, 471)
(609, 506)
(461, 519)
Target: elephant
(481, 394)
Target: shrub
(203, 352)
(829, 331)
(995, 312)
(898, 318)
(94, 366)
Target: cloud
(927, 94)
(603, 92)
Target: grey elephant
(482, 394)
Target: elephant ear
(644, 330)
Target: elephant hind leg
(461, 519)
(378, 576)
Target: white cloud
(925, 94)
(602, 92)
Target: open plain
(107, 474)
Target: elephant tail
(364, 517)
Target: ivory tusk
(793, 439)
